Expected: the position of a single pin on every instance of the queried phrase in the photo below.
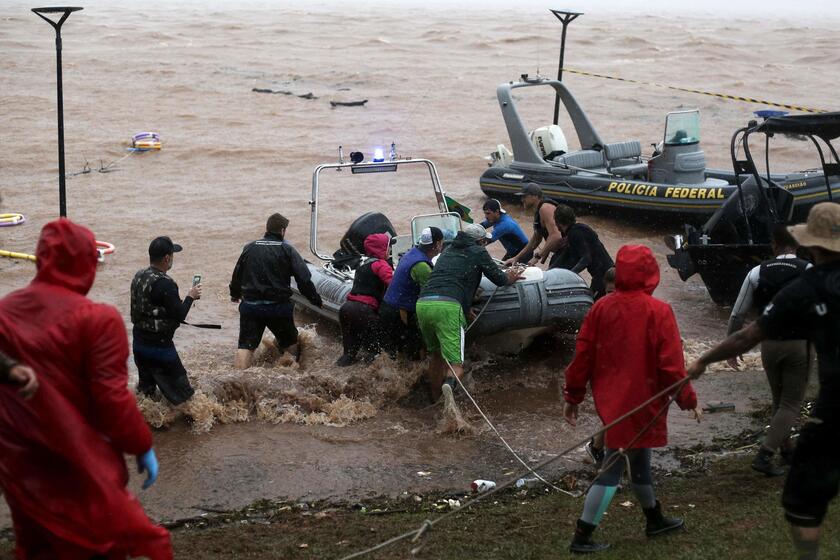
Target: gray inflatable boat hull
(508, 323)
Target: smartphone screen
(196, 279)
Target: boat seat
(632, 149)
(585, 159)
(625, 159)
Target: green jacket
(458, 271)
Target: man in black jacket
(584, 251)
(262, 281)
(156, 312)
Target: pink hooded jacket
(376, 246)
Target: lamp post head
(64, 10)
(565, 16)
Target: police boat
(511, 316)
(672, 181)
(737, 236)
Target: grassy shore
(730, 512)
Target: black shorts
(254, 318)
(814, 476)
(161, 368)
(401, 337)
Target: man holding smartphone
(156, 312)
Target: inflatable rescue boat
(674, 180)
(511, 316)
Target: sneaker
(763, 463)
(595, 453)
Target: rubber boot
(657, 524)
(763, 463)
(582, 542)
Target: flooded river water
(232, 156)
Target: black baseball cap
(494, 205)
(530, 189)
(162, 246)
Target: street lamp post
(565, 17)
(65, 12)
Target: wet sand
(231, 157)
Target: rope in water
(429, 523)
(495, 431)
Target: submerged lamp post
(65, 13)
(565, 18)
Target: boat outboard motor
(352, 245)
(549, 141)
(732, 241)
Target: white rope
(428, 524)
(502, 439)
(482, 310)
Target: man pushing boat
(444, 304)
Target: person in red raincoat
(628, 349)
(61, 451)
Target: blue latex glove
(148, 462)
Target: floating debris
(349, 103)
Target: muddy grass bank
(730, 512)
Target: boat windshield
(449, 224)
(682, 127)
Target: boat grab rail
(573, 168)
(440, 195)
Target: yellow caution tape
(13, 255)
(689, 90)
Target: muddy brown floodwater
(232, 156)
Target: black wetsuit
(584, 251)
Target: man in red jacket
(628, 350)
(61, 452)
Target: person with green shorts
(445, 301)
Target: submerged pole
(566, 17)
(65, 12)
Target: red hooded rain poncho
(61, 453)
(629, 349)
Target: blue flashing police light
(769, 113)
(378, 155)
